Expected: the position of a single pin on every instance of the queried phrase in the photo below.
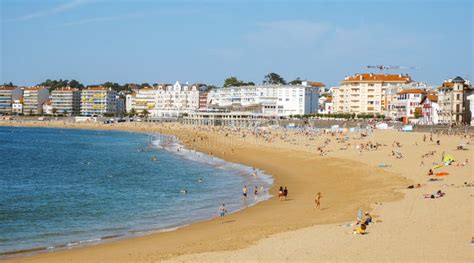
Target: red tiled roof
(412, 91)
(316, 84)
(369, 77)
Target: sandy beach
(351, 171)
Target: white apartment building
(33, 99)
(430, 109)
(365, 93)
(166, 100)
(408, 103)
(470, 98)
(273, 100)
(98, 101)
(66, 101)
(7, 96)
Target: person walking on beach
(222, 211)
(244, 195)
(280, 193)
(285, 193)
(317, 200)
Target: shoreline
(361, 183)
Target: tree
(273, 78)
(144, 85)
(10, 84)
(54, 111)
(232, 82)
(418, 112)
(132, 112)
(296, 81)
(145, 113)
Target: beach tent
(448, 159)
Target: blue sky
(207, 41)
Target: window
(458, 96)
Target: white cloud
(55, 10)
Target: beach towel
(442, 174)
(437, 166)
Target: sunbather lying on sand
(438, 194)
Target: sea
(64, 188)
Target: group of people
(283, 193)
(362, 222)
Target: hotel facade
(98, 101)
(167, 100)
(66, 101)
(366, 93)
(271, 100)
(33, 99)
(8, 95)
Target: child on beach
(222, 211)
(280, 193)
(285, 193)
(317, 200)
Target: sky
(208, 41)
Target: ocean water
(62, 188)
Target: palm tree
(145, 113)
(132, 112)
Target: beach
(346, 169)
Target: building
(145, 99)
(452, 100)
(274, 100)
(408, 103)
(219, 118)
(203, 100)
(365, 93)
(470, 98)
(129, 102)
(66, 101)
(33, 99)
(17, 106)
(319, 85)
(8, 94)
(97, 101)
(165, 101)
(430, 109)
(48, 108)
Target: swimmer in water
(184, 191)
